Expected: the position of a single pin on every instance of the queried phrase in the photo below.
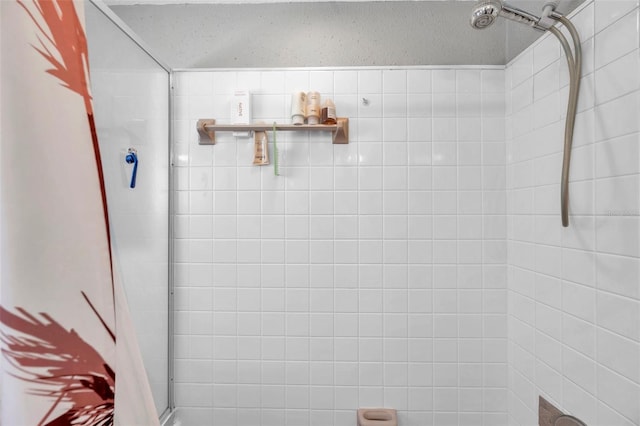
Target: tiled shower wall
(367, 274)
(574, 293)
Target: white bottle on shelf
(298, 104)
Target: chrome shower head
(485, 14)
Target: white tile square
(471, 104)
(370, 81)
(345, 81)
(322, 81)
(444, 178)
(418, 81)
(617, 40)
(394, 105)
(617, 78)
(297, 202)
(617, 157)
(444, 104)
(295, 80)
(395, 251)
(272, 226)
(468, 81)
(346, 251)
(271, 81)
(346, 276)
(320, 203)
(618, 196)
(612, 235)
(321, 251)
(443, 81)
(618, 392)
(394, 179)
(370, 226)
(618, 314)
(493, 80)
(394, 81)
(444, 129)
(577, 266)
(370, 178)
(346, 227)
(419, 129)
(545, 53)
(394, 129)
(609, 12)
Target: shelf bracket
(207, 136)
(341, 134)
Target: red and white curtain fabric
(69, 355)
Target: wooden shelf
(207, 129)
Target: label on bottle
(260, 149)
(329, 115)
(313, 110)
(313, 107)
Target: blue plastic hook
(132, 158)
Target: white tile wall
(574, 294)
(367, 274)
(374, 273)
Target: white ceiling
(284, 33)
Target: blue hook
(132, 158)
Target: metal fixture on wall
(485, 13)
(132, 158)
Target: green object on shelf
(275, 152)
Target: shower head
(486, 12)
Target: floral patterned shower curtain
(65, 333)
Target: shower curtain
(65, 329)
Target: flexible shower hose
(574, 62)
